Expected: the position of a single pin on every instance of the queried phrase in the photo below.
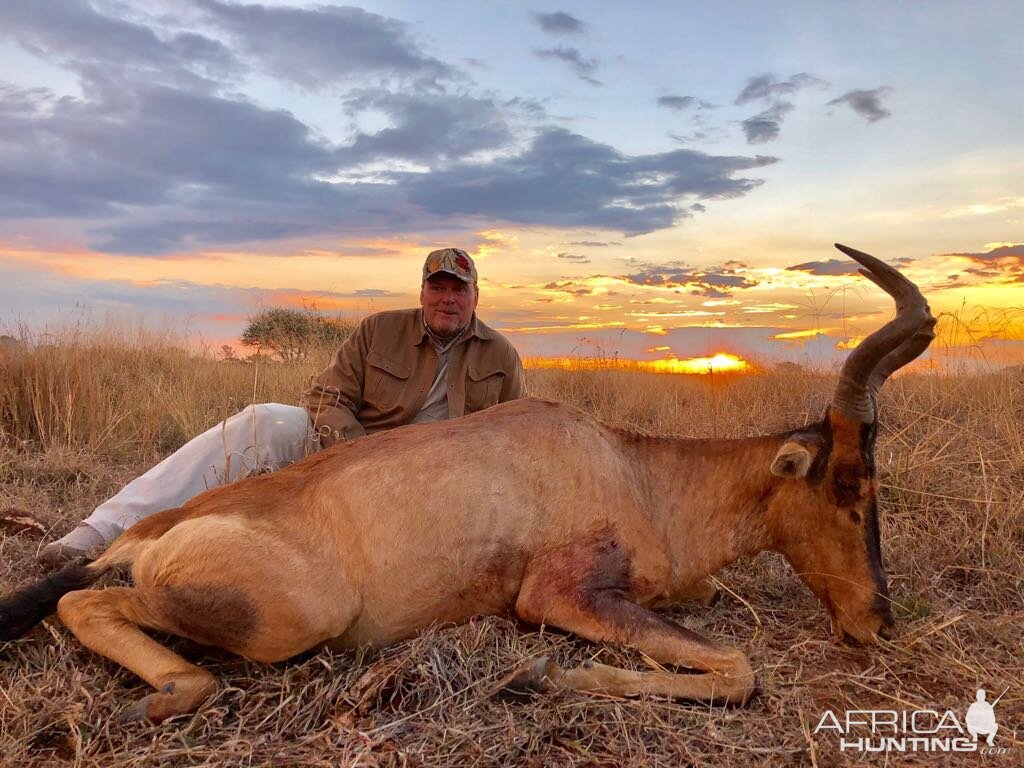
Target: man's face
(448, 303)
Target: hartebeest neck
(708, 497)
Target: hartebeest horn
(890, 347)
(903, 354)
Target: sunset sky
(647, 180)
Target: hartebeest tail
(30, 604)
(26, 607)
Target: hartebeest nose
(868, 632)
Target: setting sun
(722, 362)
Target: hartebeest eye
(792, 461)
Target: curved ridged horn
(902, 355)
(893, 345)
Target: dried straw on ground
(951, 455)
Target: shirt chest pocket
(483, 387)
(386, 381)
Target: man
(981, 718)
(402, 367)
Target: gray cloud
(73, 33)
(677, 103)
(594, 243)
(426, 127)
(569, 287)
(767, 88)
(830, 267)
(566, 180)
(326, 45)
(766, 125)
(1004, 264)
(867, 104)
(715, 282)
(580, 65)
(155, 157)
(996, 254)
(579, 258)
(683, 103)
(559, 23)
(531, 108)
(227, 171)
(164, 167)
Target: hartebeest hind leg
(260, 603)
(107, 621)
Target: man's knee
(269, 419)
(282, 430)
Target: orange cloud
(790, 335)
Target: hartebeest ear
(793, 460)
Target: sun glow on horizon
(721, 362)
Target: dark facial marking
(873, 544)
(868, 436)
(846, 482)
(872, 536)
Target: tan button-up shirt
(382, 375)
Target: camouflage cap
(454, 261)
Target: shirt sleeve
(335, 395)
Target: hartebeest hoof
(179, 698)
(536, 676)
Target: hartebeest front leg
(598, 608)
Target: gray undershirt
(436, 406)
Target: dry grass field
(83, 416)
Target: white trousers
(258, 438)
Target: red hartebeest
(530, 506)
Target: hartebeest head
(824, 516)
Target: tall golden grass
(83, 414)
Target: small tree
(291, 334)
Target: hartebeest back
(531, 507)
